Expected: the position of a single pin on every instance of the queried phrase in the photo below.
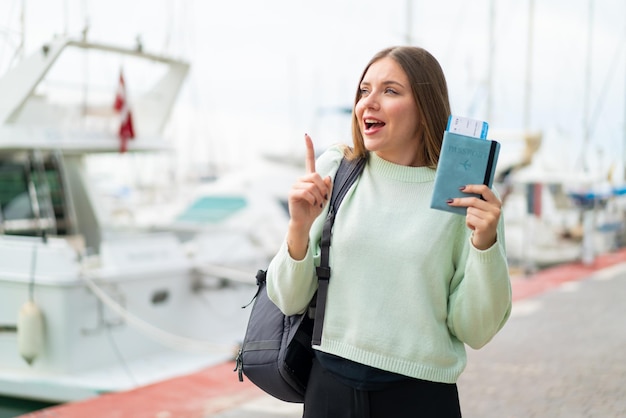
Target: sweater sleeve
(480, 293)
(292, 283)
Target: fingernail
(449, 201)
(462, 188)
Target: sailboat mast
(490, 59)
(587, 91)
(20, 50)
(409, 22)
(529, 65)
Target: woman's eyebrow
(393, 82)
(384, 83)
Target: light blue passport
(463, 160)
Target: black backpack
(276, 354)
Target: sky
(264, 73)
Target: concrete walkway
(562, 354)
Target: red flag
(126, 131)
(120, 95)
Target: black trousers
(328, 397)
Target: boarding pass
(466, 126)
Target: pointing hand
(307, 198)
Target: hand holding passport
(467, 157)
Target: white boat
(239, 219)
(553, 213)
(87, 309)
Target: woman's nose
(371, 101)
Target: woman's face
(387, 113)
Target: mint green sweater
(408, 288)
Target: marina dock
(561, 354)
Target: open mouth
(373, 123)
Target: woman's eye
(390, 91)
(364, 91)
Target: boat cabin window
(32, 198)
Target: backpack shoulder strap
(348, 172)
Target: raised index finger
(310, 154)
